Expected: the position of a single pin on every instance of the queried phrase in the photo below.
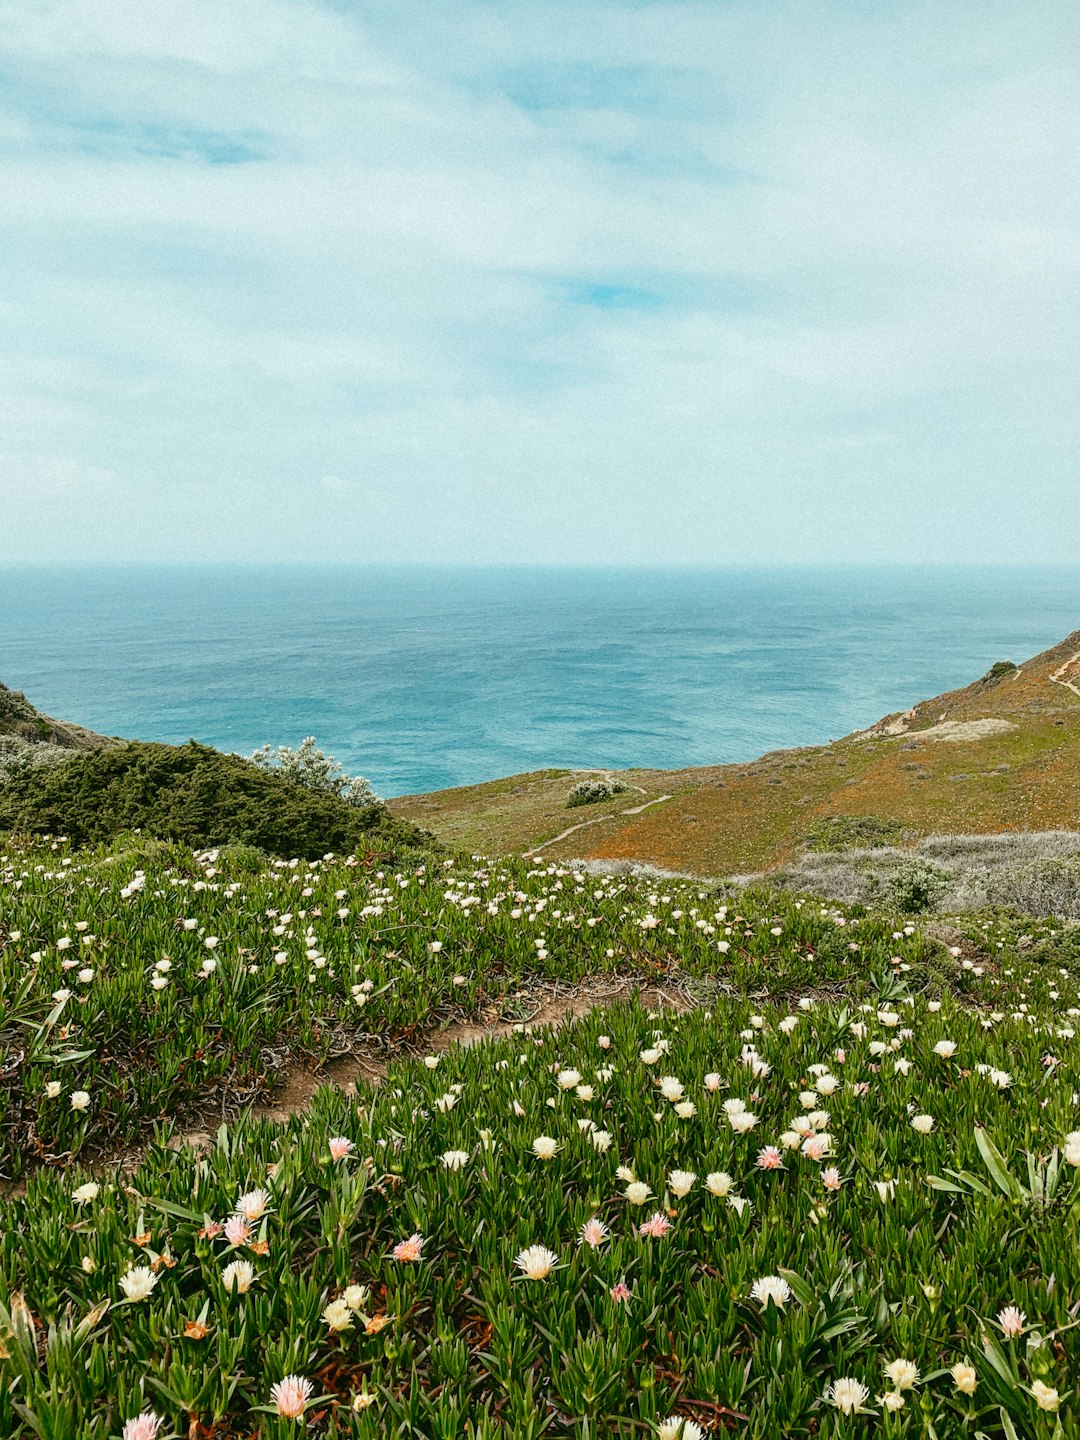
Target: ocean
(421, 678)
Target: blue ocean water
(424, 678)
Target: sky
(559, 281)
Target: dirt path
(595, 820)
(1056, 677)
(549, 1004)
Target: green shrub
(916, 887)
(998, 671)
(591, 792)
(199, 796)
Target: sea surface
(424, 678)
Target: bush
(591, 792)
(1049, 885)
(18, 757)
(853, 832)
(917, 886)
(199, 796)
(312, 770)
(998, 671)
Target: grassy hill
(998, 755)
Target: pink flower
(830, 1178)
(291, 1396)
(340, 1147)
(237, 1230)
(408, 1249)
(620, 1292)
(816, 1147)
(143, 1427)
(593, 1233)
(1012, 1321)
(770, 1158)
(657, 1226)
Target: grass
(894, 1248)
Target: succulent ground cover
(132, 985)
(837, 1198)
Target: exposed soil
(542, 1004)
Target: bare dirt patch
(541, 1005)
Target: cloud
(611, 280)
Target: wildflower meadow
(829, 1190)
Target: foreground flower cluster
(149, 981)
(798, 1216)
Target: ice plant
(238, 1276)
(593, 1233)
(290, 1396)
(771, 1288)
(1012, 1321)
(848, 1395)
(408, 1250)
(138, 1283)
(142, 1427)
(339, 1147)
(536, 1262)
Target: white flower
(537, 1262)
(1072, 1148)
(455, 1159)
(847, 1394)
(52, 1089)
(964, 1377)
(903, 1373)
(238, 1276)
(80, 1100)
(601, 1140)
(356, 1297)
(681, 1182)
(338, 1316)
(719, 1183)
(637, 1192)
(1046, 1397)
(675, 1427)
(742, 1122)
(544, 1147)
(771, 1287)
(671, 1088)
(85, 1193)
(138, 1282)
(686, 1109)
(712, 1081)
(252, 1205)
(922, 1123)
(568, 1079)
(945, 1048)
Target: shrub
(853, 832)
(916, 886)
(312, 770)
(998, 671)
(201, 797)
(1049, 885)
(18, 757)
(591, 792)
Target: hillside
(1001, 754)
(21, 721)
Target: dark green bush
(201, 797)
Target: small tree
(309, 768)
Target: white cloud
(256, 251)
